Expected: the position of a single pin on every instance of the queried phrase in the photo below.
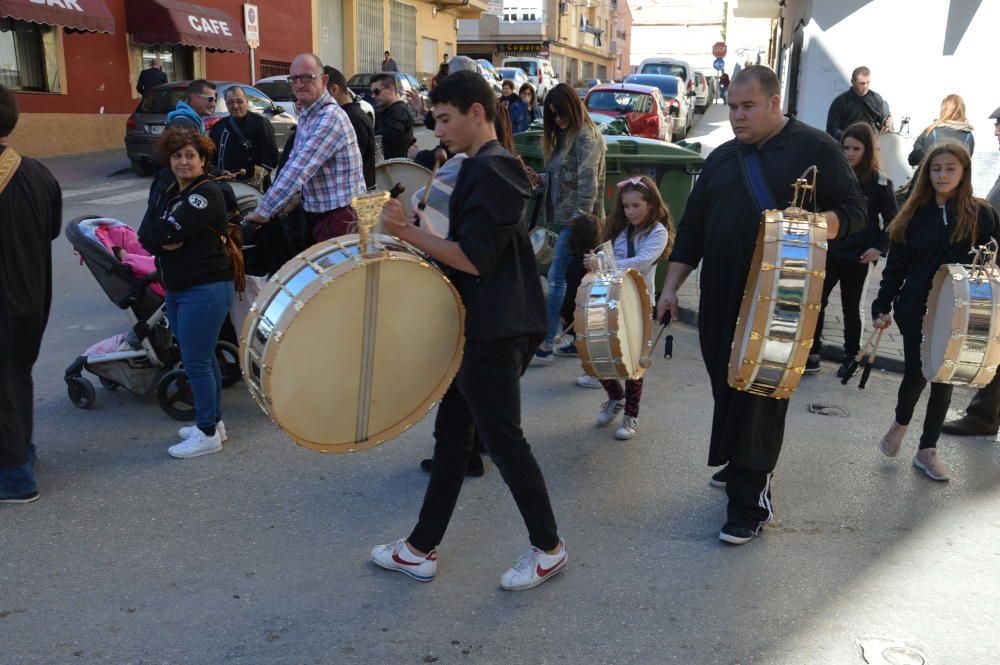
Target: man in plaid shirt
(325, 167)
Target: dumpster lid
(638, 149)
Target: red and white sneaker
(533, 568)
(397, 556)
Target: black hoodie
(505, 299)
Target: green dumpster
(671, 166)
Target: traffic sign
(544, 53)
(251, 24)
(719, 64)
(719, 49)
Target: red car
(643, 107)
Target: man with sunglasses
(393, 121)
(200, 104)
(325, 168)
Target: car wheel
(142, 167)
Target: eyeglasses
(305, 78)
(375, 92)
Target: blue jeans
(557, 283)
(196, 316)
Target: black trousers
(851, 275)
(909, 393)
(486, 397)
(749, 493)
(16, 419)
(985, 405)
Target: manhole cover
(828, 410)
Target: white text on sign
(65, 4)
(202, 24)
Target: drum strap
(9, 162)
(753, 178)
(631, 244)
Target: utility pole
(725, 18)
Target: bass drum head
(894, 149)
(632, 331)
(247, 197)
(406, 172)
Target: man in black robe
(858, 104)
(244, 140)
(30, 217)
(393, 121)
(489, 259)
(719, 230)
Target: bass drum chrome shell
(614, 324)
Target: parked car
(701, 93)
(670, 67)
(144, 127)
(712, 78)
(360, 85)
(515, 75)
(642, 106)
(490, 78)
(489, 68)
(678, 101)
(583, 86)
(539, 71)
(280, 91)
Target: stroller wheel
(175, 396)
(81, 392)
(108, 383)
(228, 355)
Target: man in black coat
(245, 139)
(858, 104)
(393, 121)
(363, 126)
(150, 78)
(30, 217)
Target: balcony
(489, 28)
(471, 9)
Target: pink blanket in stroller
(123, 242)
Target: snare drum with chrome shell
(345, 349)
(543, 242)
(961, 328)
(613, 324)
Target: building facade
(621, 39)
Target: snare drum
(406, 172)
(247, 197)
(961, 329)
(543, 242)
(614, 324)
(345, 348)
(781, 304)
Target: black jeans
(909, 393)
(16, 415)
(985, 405)
(486, 397)
(851, 276)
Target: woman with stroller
(185, 229)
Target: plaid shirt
(325, 163)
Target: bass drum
(961, 344)
(409, 174)
(894, 149)
(346, 348)
(614, 324)
(247, 197)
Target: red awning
(92, 15)
(176, 22)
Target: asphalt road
(259, 554)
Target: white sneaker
(533, 568)
(186, 432)
(195, 445)
(397, 556)
(609, 411)
(628, 429)
(587, 381)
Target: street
(260, 554)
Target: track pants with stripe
(749, 496)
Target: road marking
(70, 193)
(119, 199)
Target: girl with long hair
(848, 260)
(940, 223)
(525, 110)
(950, 125)
(639, 227)
(574, 152)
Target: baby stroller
(145, 357)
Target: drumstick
(668, 347)
(559, 338)
(430, 181)
(870, 361)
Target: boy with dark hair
(489, 258)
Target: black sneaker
(27, 497)
(845, 367)
(812, 364)
(720, 478)
(735, 534)
(475, 469)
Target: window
(269, 68)
(28, 58)
(178, 61)
(258, 102)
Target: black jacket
(960, 133)
(881, 204)
(395, 125)
(910, 268)
(256, 147)
(366, 139)
(197, 218)
(849, 108)
(149, 79)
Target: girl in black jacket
(940, 223)
(848, 260)
(185, 229)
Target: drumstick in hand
(427, 189)
(559, 338)
(668, 347)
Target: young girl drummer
(940, 223)
(639, 227)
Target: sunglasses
(375, 92)
(305, 78)
(208, 98)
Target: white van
(671, 67)
(539, 71)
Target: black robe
(719, 228)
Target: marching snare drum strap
(753, 178)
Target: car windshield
(663, 68)
(528, 66)
(164, 100)
(279, 91)
(510, 73)
(621, 101)
(667, 86)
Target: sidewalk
(712, 130)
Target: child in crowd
(585, 235)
